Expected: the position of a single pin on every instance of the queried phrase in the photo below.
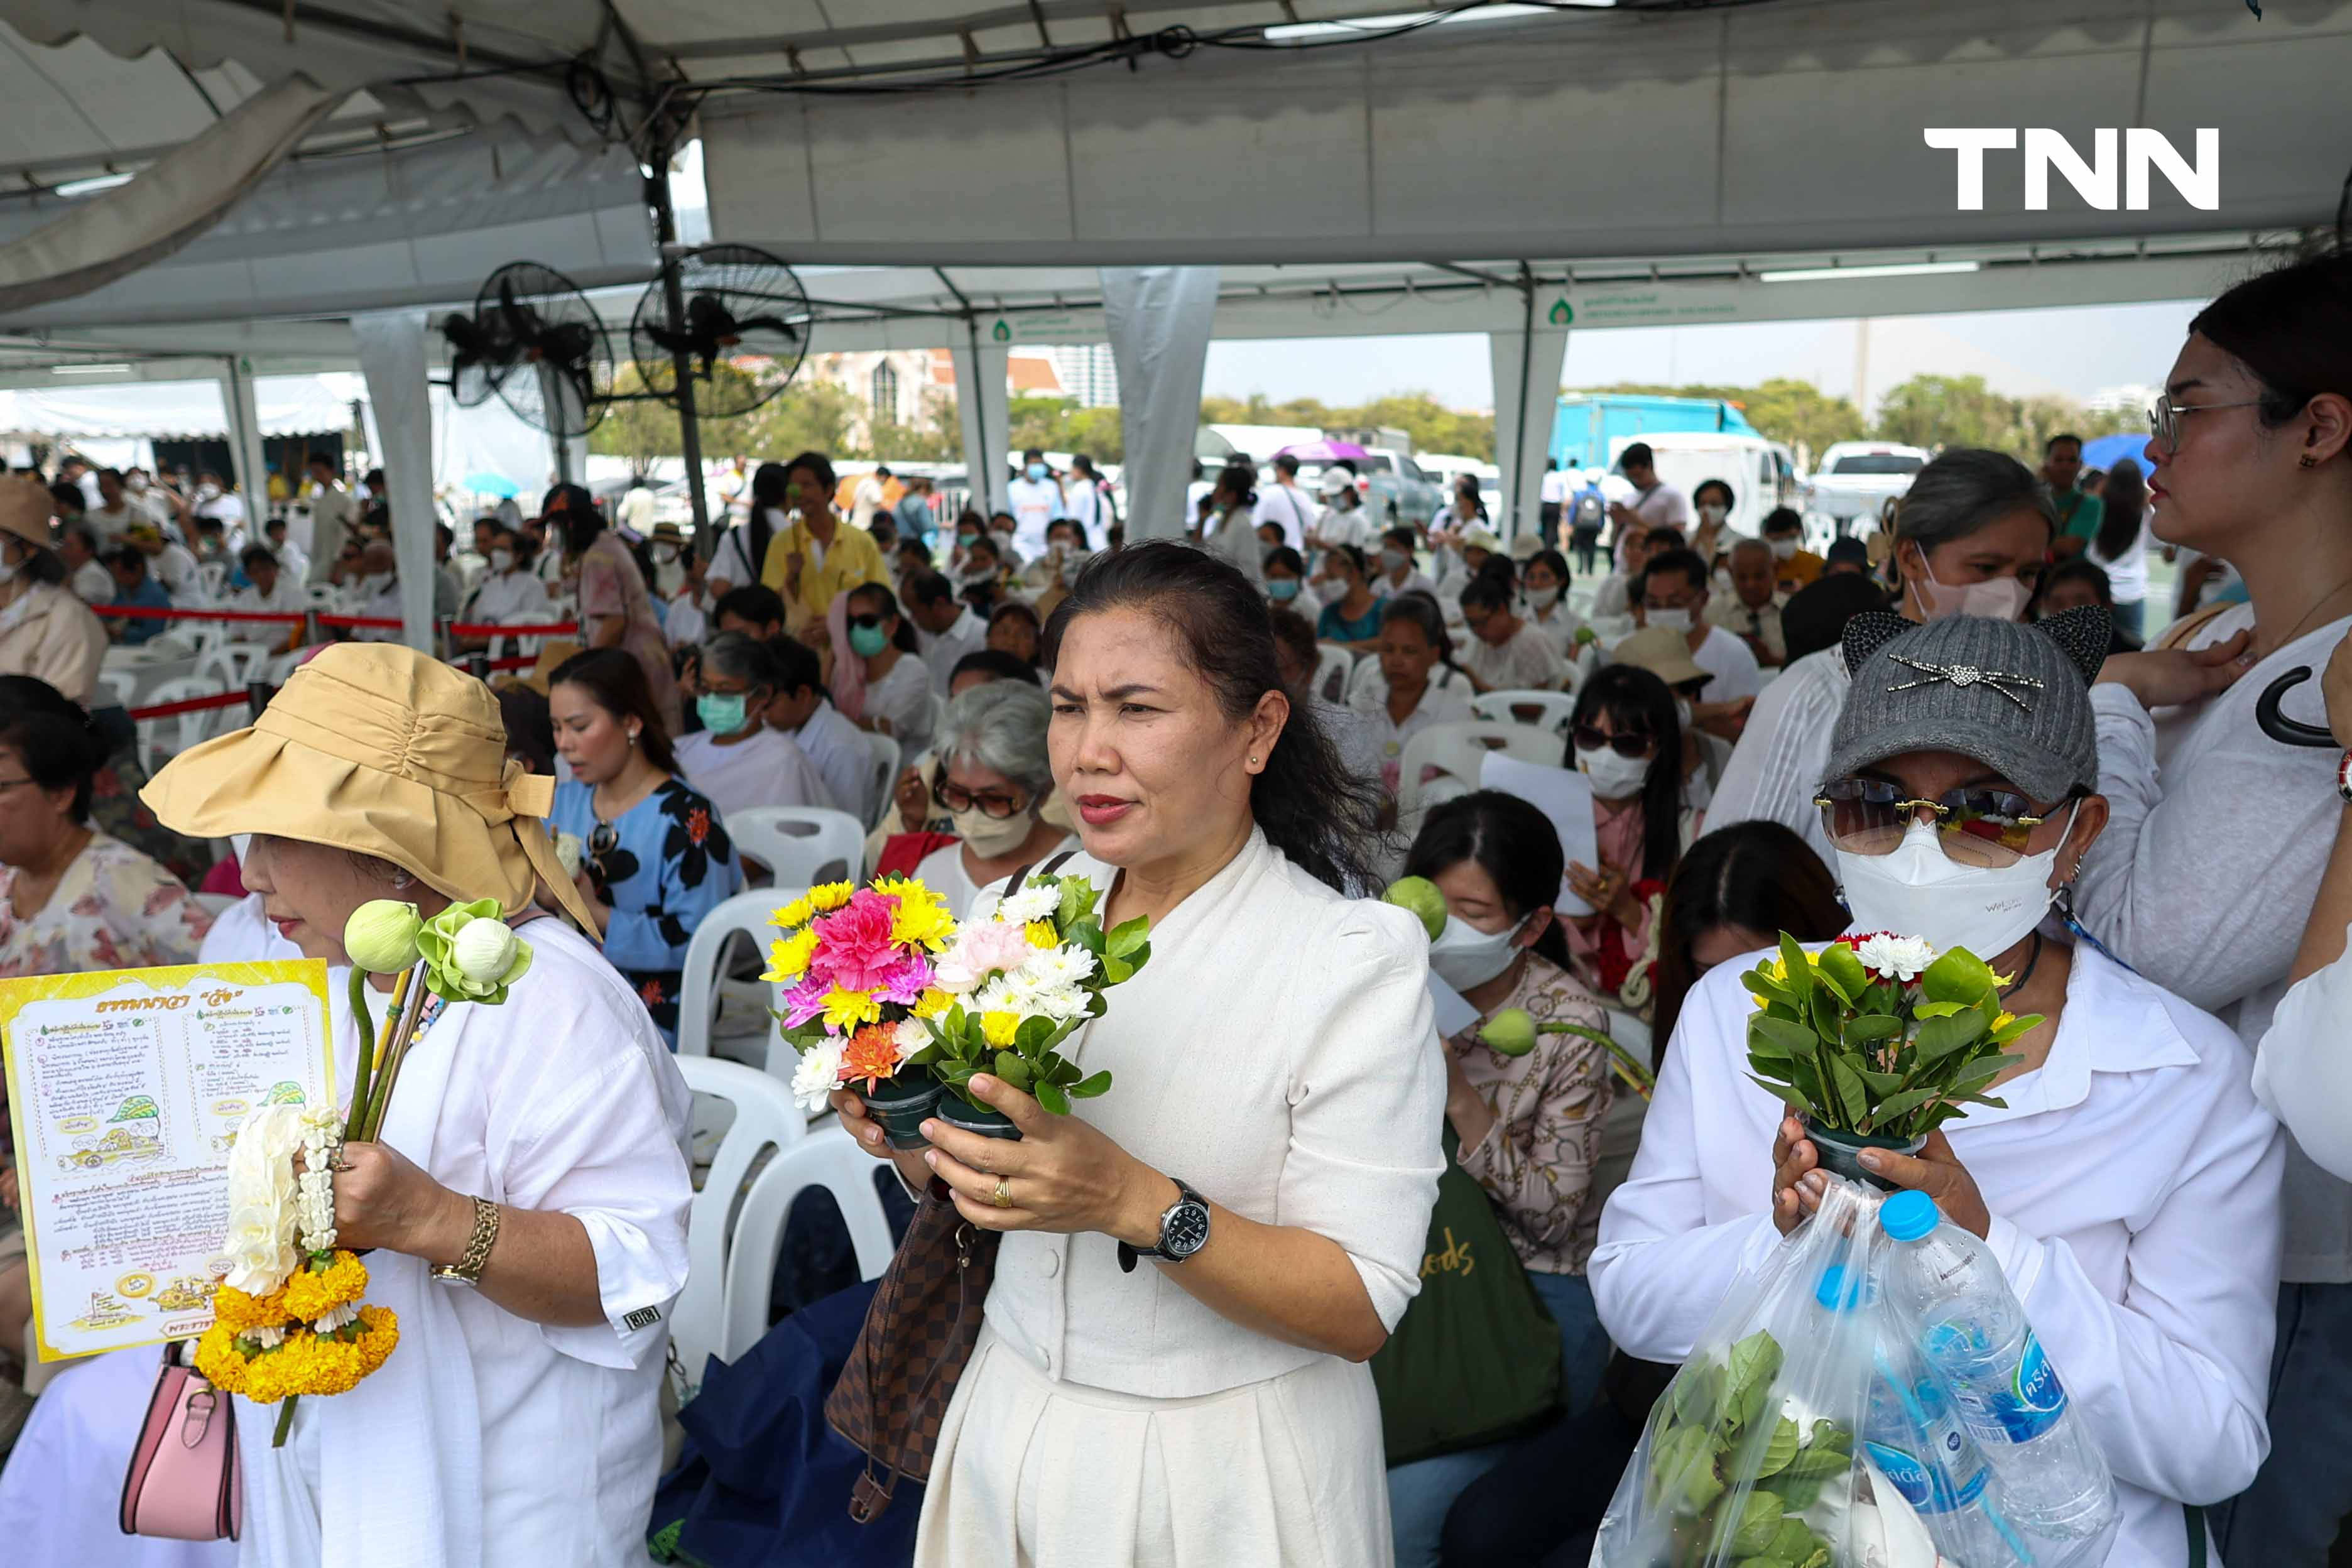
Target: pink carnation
(907, 982)
(981, 949)
(854, 949)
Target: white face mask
(1783, 549)
(1683, 713)
(1614, 775)
(1918, 891)
(1542, 598)
(989, 837)
(207, 492)
(1674, 620)
(1465, 957)
(1394, 561)
(376, 582)
(7, 571)
(1710, 512)
(501, 560)
(1996, 598)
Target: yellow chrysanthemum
(788, 958)
(844, 1010)
(1042, 934)
(933, 1003)
(829, 896)
(1000, 1028)
(233, 1311)
(310, 1295)
(791, 915)
(922, 917)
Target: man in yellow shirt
(820, 555)
(1794, 566)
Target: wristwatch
(1183, 1230)
(467, 1269)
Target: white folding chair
(1549, 711)
(766, 1117)
(1456, 750)
(828, 1158)
(706, 949)
(801, 846)
(885, 749)
(1332, 667)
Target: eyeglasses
(955, 798)
(2164, 417)
(1588, 738)
(869, 619)
(1977, 826)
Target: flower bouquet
(1879, 1039)
(857, 963)
(287, 1319)
(1019, 985)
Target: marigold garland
(312, 1292)
(302, 1362)
(235, 1310)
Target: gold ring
(1002, 1196)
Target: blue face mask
(1036, 470)
(1281, 588)
(722, 712)
(967, 540)
(868, 641)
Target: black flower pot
(963, 1114)
(1840, 1152)
(900, 1106)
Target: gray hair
(1001, 726)
(739, 655)
(1967, 489)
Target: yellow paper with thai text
(125, 1091)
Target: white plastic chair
(232, 664)
(828, 1158)
(886, 753)
(1332, 667)
(1458, 750)
(161, 739)
(119, 684)
(801, 845)
(1549, 710)
(212, 577)
(747, 914)
(766, 1117)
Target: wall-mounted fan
(740, 303)
(558, 361)
(481, 352)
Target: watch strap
(1184, 1194)
(467, 1269)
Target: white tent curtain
(984, 410)
(392, 357)
(1157, 319)
(1527, 390)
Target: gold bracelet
(467, 1269)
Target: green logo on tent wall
(1563, 312)
(1001, 332)
(138, 1108)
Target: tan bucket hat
(26, 506)
(377, 748)
(1664, 653)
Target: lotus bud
(1420, 895)
(483, 950)
(1510, 1033)
(381, 936)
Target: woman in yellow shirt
(821, 554)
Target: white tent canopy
(182, 410)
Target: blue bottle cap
(1833, 1292)
(1907, 1216)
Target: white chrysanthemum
(910, 1036)
(1064, 965)
(1901, 956)
(1058, 1003)
(1031, 903)
(818, 1075)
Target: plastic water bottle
(1973, 1333)
(1911, 1434)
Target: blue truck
(1586, 427)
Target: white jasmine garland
(314, 1197)
(263, 1224)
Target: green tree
(1059, 425)
(1950, 411)
(936, 437)
(805, 416)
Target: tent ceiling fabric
(287, 406)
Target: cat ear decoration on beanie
(2086, 634)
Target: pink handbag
(186, 1481)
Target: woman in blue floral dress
(657, 856)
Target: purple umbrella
(1324, 451)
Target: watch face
(1185, 1231)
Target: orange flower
(872, 1054)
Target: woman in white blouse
(1413, 684)
(1278, 1055)
(2129, 1186)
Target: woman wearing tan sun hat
(45, 630)
(553, 1123)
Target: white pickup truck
(1855, 479)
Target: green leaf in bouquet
(1075, 904)
(1879, 1084)
(1086, 934)
(1681, 1471)
(1116, 970)
(1030, 1037)
(1843, 971)
(1779, 1449)
(1895, 1105)
(1939, 1038)
(1767, 1036)
(1013, 1070)
(1815, 1464)
(1794, 960)
(1749, 1369)
(1869, 1029)
(1061, 1070)
(1797, 1495)
(1697, 1391)
(1794, 1541)
(1748, 1531)
(1759, 981)
(1053, 1098)
(1124, 937)
(1090, 1086)
(1937, 1009)
(1854, 1101)
(2025, 1023)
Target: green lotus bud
(482, 951)
(381, 936)
(1510, 1033)
(1958, 975)
(1420, 895)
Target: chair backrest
(1458, 750)
(121, 683)
(213, 577)
(232, 664)
(766, 1117)
(886, 763)
(801, 846)
(746, 912)
(1332, 667)
(828, 1158)
(161, 739)
(1549, 711)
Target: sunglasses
(1588, 737)
(2164, 417)
(868, 619)
(1976, 827)
(957, 798)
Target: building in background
(903, 386)
(1088, 375)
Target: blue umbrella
(492, 485)
(2103, 451)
